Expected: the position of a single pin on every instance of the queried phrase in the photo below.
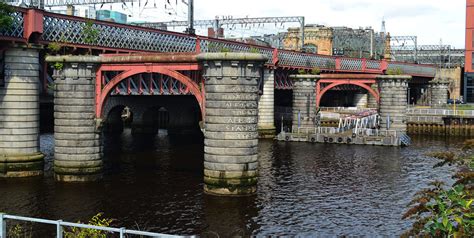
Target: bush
(54, 47)
(394, 71)
(315, 71)
(442, 211)
(96, 220)
(90, 33)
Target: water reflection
(155, 184)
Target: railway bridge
(229, 86)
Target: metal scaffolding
(218, 23)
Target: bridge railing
(440, 112)
(69, 30)
(425, 119)
(207, 44)
(17, 27)
(61, 224)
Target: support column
(78, 145)
(304, 100)
(393, 101)
(371, 100)
(20, 154)
(266, 117)
(360, 100)
(439, 93)
(231, 137)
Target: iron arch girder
(103, 92)
(363, 84)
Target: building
(360, 43)
(113, 16)
(469, 67)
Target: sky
(433, 21)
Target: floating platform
(364, 137)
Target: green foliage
(254, 50)
(446, 212)
(216, 47)
(330, 64)
(302, 71)
(96, 220)
(394, 71)
(58, 66)
(6, 20)
(90, 33)
(315, 71)
(54, 47)
(225, 50)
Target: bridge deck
(37, 26)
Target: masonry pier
(231, 135)
(266, 116)
(20, 155)
(78, 145)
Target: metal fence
(61, 224)
(440, 112)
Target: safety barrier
(61, 224)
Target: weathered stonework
(371, 100)
(266, 108)
(78, 146)
(361, 100)
(393, 101)
(20, 154)
(231, 136)
(439, 93)
(304, 100)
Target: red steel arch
(130, 70)
(361, 83)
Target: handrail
(60, 224)
(144, 39)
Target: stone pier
(266, 117)
(304, 100)
(360, 100)
(20, 154)
(78, 148)
(371, 100)
(393, 101)
(439, 93)
(231, 136)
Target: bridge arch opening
(118, 117)
(152, 81)
(156, 118)
(346, 94)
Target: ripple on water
(307, 189)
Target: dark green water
(304, 189)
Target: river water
(156, 184)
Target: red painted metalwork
(127, 71)
(469, 33)
(334, 80)
(198, 45)
(33, 23)
(275, 57)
